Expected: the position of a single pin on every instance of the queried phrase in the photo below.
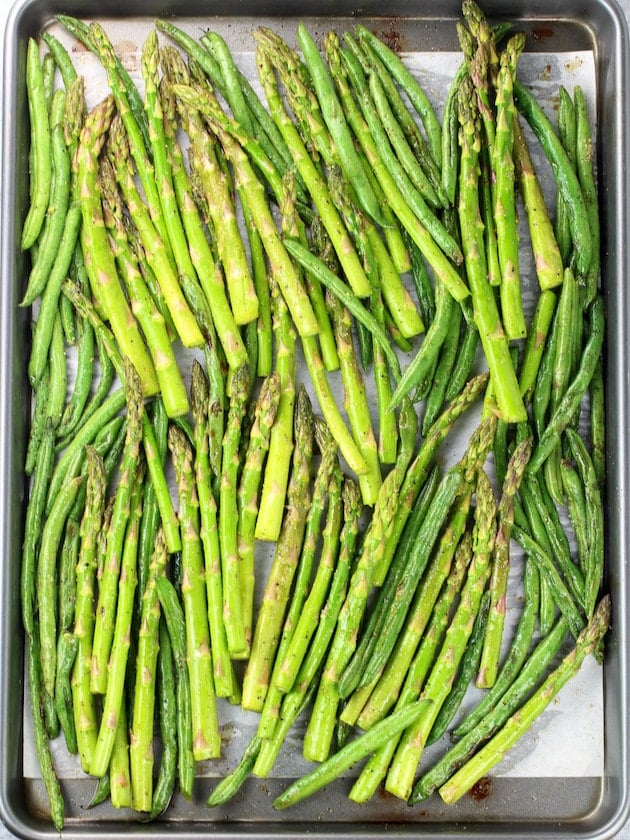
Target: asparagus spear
(249, 486)
(113, 705)
(402, 770)
(277, 589)
(205, 728)
(492, 752)
(228, 518)
(490, 329)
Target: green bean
(566, 179)
(450, 350)
(421, 281)
(333, 114)
(61, 57)
(320, 272)
(67, 648)
(58, 373)
(576, 507)
(536, 342)
(82, 381)
(413, 90)
(101, 792)
(39, 418)
(421, 365)
(561, 595)
(586, 176)
(41, 170)
(231, 784)
(594, 520)
(51, 782)
(50, 298)
(59, 198)
(110, 408)
(409, 161)
(33, 524)
(167, 711)
(567, 134)
(449, 140)
(46, 574)
(559, 545)
(541, 395)
(173, 613)
(569, 404)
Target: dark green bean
(586, 176)
(320, 272)
(109, 409)
(50, 298)
(467, 670)
(67, 583)
(230, 784)
(39, 420)
(51, 782)
(566, 178)
(569, 404)
(41, 156)
(82, 381)
(421, 281)
(421, 365)
(61, 57)
(173, 613)
(562, 597)
(67, 648)
(59, 198)
(558, 543)
(451, 348)
(576, 506)
(58, 373)
(594, 519)
(567, 134)
(167, 712)
(33, 524)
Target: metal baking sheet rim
(607, 25)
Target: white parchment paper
(555, 747)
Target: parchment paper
(555, 747)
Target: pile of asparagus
(213, 263)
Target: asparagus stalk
(492, 752)
(277, 589)
(205, 728)
(248, 490)
(99, 260)
(402, 770)
(228, 517)
(315, 183)
(85, 712)
(108, 584)
(209, 533)
(154, 245)
(491, 331)
(500, 566)
(113, 705)
(274, 487)
(375, 769)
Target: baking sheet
(555, 747)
